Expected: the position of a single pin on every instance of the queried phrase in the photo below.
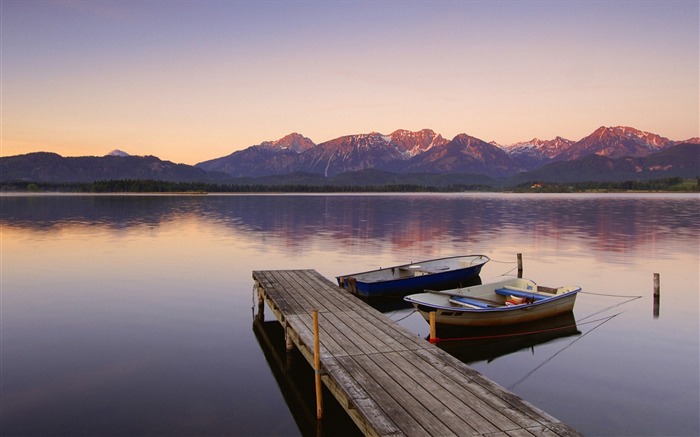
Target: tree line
(156, 186)
(672, 184)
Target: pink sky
(192, 81)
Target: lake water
(133, 315)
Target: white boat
(506, 302)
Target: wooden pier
(390, 381)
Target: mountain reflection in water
(365, 219)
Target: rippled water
(133, 315)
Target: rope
(509, 271)
(406, 316)
(503, 262)
(628, 299)
(528, 374)
(610, 295)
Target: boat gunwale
(504, 308)
(484, 257)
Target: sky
(189, 81)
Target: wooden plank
(362, 408)
(374, 338)
(423, 390)
(397, 333)
(457, 382)
(322, 290)
(386, 386)
(346, 346)
(385, 402)
(282, 289)
(301, 327)
(506, 410)
(354, 343)
(531, 432)
(274, 291)
(458, 401)
(300, 293)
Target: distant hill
(51, 167)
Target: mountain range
(607, 154)
(428, 152)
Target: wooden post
(261, 302)
(433, 337)
(317, 368)
(520, 265)
(288, 346)
(657, 295)
(288, 343)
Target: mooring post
(657, 295)
(520, 265)
(317, 368)
(433, 337)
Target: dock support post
(289, 346)
(433, 337)
(317, 368)
(260, 314)
(657, 295)
(520, 265)
(261, 302)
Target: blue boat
(435, 274)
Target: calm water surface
(133, 315)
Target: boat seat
(510, 291)
(424, 269)
(465, 301)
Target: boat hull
(415, 277)
(495, 312)
(498, 318)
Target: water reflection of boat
(295, 379)
(472, 344)
(505, 302)
(436, 274)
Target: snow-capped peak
(117, 152)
